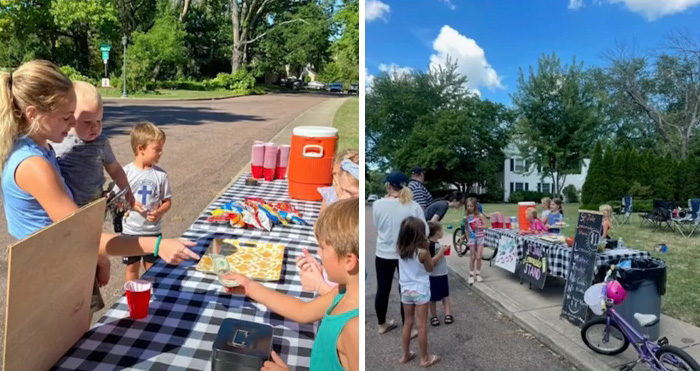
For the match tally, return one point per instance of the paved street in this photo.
(207, 143)
(480, 338)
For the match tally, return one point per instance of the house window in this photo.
(519, 165)
(519, 186)
(545, 187)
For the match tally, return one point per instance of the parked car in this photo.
(293, 83)
(336, 86)
(353, 89)
(372, 198)
(316, 85)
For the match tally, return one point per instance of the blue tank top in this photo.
(23, 212)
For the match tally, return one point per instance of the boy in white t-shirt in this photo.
(151, 189)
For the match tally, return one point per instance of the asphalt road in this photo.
(207, 143)
(480, 337)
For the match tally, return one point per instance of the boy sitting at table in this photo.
(337, 342)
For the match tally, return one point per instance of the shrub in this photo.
(524, 196)
(75, 75)
(570, 193)
(239, 80)
(642, 206)
(638, 190)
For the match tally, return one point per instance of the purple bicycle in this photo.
(611, 334)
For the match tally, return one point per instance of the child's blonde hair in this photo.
(607, 211)
(87, 93)
(546, 202)
(531, 213)
(474, 202)
(37, 83)
(347, 154)
(144, 133)
(339, 226)
(354, 156)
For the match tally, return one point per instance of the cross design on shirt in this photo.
(144, 192)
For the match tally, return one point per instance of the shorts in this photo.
(439, 288)
(414, 297)
(135, 259)
(96, 303)
(478, 241)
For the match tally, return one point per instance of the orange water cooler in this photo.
(523, 223)
(311, 161)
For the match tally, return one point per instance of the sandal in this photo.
(411, 356)
(388, 326)
(431, 361)
(449, 319)
(434, 321)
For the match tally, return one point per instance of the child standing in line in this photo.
(337, 344)
(535, 223)
(439, 286)
(415, 265)
(152, 190)
(477, 239)
(607, 220)
(556, 216)
(546, 206)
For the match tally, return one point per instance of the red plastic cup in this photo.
(507, 225)
(138, 297)
(257, 171)
(269, 174)
(448, 252)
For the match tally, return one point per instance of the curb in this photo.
(552, 340)
(128, 99)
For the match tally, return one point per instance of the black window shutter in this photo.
(512, 186)
(539, 187)
(512, 165)
(526, 186)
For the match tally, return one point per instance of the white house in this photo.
(518, 175)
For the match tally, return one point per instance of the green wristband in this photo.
(155, 251)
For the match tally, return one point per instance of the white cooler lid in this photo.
(315, 131)
(527, 203)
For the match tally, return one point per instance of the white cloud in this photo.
(369, 80)
(375, 9)
(450, 4)
(575, 4)
(653, 9)
(395, 70)
(469, 56)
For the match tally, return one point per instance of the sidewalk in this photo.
(537, 311)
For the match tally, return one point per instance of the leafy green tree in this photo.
(606, 182)
(347, 47)
(558, 117)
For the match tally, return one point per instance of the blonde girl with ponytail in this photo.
(389, 212)
(36, 106)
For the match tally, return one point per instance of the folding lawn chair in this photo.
(694, 211)
(662, 217)
(623, 217)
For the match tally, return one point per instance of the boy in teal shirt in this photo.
(337, 342)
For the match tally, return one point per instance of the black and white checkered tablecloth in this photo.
(559, 255)
(189, 306)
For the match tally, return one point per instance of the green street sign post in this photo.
(105, 48)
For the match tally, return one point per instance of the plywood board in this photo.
(49, 287)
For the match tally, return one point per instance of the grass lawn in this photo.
(172, 94)
(682, 298)
(347, 121)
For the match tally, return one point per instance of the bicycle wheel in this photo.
(673, 358)
(458, 242)
(489, 252)
(593, 332)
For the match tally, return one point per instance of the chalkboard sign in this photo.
(581, 266)
(534, 268)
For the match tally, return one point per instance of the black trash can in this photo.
(644, 282)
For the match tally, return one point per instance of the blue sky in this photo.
(491, 39)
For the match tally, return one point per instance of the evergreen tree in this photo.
(607, 185)
(590, 190)
(664, 176)
(633, 169)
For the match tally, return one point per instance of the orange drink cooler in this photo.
(523, 223)
(311, 161)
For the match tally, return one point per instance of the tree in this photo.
(250, 22)
(666, 89)
(607, 184)
(396, 103)
(557, 117)
(591, 191)
(620, 182)
(462, 146)
(347, 47)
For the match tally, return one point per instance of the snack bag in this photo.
(272, 214)
(286, 206)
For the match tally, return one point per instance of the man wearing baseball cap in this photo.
(420, 194)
